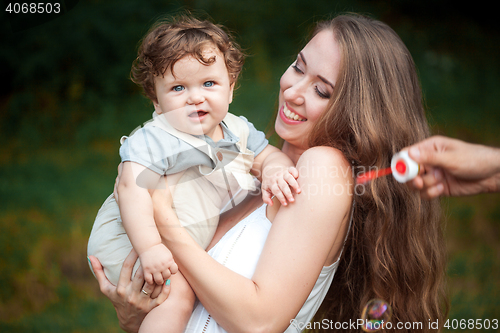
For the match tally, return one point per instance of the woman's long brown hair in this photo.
(394, 250)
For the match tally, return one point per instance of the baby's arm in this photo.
(136, 210)
(278, 175)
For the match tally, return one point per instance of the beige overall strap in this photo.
(239, 128)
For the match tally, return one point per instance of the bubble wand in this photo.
(403, 168)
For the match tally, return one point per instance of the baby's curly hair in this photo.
(170, 40)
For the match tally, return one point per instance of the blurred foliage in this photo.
(67, 99)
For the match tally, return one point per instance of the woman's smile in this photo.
(289, 116)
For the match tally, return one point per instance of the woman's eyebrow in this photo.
(326, 81)
(302, 57)
(319, 76)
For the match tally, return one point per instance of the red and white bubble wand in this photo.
(403, 168)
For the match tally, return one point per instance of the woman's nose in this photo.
(295, 93)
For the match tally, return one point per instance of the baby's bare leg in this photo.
(172, 315)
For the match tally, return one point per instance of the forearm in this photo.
(483, 159)
(495, 183)
(136, 211)
(270, 157)
(495, 162)
(277, 159)
(488, 167)
(235, 302)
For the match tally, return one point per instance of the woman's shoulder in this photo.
(326, 152)
(325, 159)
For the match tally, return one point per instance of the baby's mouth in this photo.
(291, 115)
(197, 114)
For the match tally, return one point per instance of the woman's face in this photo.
(306, 87)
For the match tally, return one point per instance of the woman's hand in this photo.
(132, 299)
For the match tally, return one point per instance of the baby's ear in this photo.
(231, 87)
(157, 107)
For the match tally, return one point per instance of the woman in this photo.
(350, 101)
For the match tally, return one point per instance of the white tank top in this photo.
(239, 250)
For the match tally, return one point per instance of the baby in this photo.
(188, 68)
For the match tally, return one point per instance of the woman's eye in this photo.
(178, 88)
(322, 94)
(297, 69)
(209, 84)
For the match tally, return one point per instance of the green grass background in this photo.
(67, 99)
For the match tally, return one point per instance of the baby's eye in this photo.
(178, 88)
(209, 84)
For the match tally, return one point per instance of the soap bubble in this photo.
(375, 314)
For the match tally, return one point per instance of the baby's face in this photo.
(197, 97)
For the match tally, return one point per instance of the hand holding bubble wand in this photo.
(403, 168)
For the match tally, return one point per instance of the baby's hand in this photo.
(158, 264)
(279, 181)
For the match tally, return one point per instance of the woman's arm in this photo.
(304, 237)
